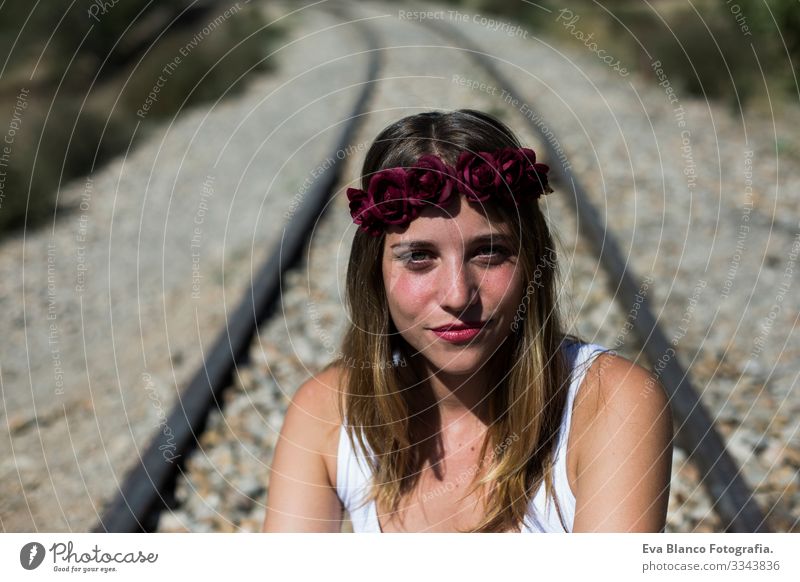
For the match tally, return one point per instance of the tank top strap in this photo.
(580, 357)
(353, 479)
(543, 516)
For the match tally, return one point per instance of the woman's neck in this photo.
(461, 399)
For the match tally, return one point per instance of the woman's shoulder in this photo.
(303, 472)
(623, 432)
(611, 375)
(617, 393)
(313, 417)
(319, 397)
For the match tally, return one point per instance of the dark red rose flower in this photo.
(512, 166)
(536, 180)
(430, 181)
(528, 154)
(387, 193)
(477, 176)
(358, 203)
(361, 210)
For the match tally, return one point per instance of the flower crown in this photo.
(398, 195)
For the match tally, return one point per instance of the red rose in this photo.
(512, 166)
(528, 154)
(387, 194)
(536, 180)
(430, 181)
(362, 211)
(358, 201)
(477, 175)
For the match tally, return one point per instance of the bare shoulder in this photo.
(624, 433)
(319, 395)
(315, 406)
(614, 385)
(301, 492)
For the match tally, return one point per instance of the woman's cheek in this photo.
(502, 288)
(494, 285)
(408, 294)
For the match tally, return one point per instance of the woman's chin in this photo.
(457, 363)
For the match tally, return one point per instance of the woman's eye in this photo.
(492, 252)
(416, 257)
(487, 250)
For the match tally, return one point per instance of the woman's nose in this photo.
(459, 288)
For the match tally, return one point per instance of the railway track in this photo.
(149, 489)
(695, 431)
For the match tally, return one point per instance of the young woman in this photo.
(458, 402)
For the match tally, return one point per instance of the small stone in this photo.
(171, 522)
(785, 479)
(773, 454)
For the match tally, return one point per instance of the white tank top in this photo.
(353, 474)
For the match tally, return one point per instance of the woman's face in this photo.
(457, 269)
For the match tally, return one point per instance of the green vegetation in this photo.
(704, 46)
(78, 80)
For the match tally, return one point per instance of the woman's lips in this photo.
(459, 333)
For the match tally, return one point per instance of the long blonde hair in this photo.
(526, 404)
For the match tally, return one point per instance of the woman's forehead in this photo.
(462, 222)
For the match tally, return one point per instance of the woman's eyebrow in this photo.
(414, 244)
(491, 237)
(480, 239)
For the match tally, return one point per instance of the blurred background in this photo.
(153, 152)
